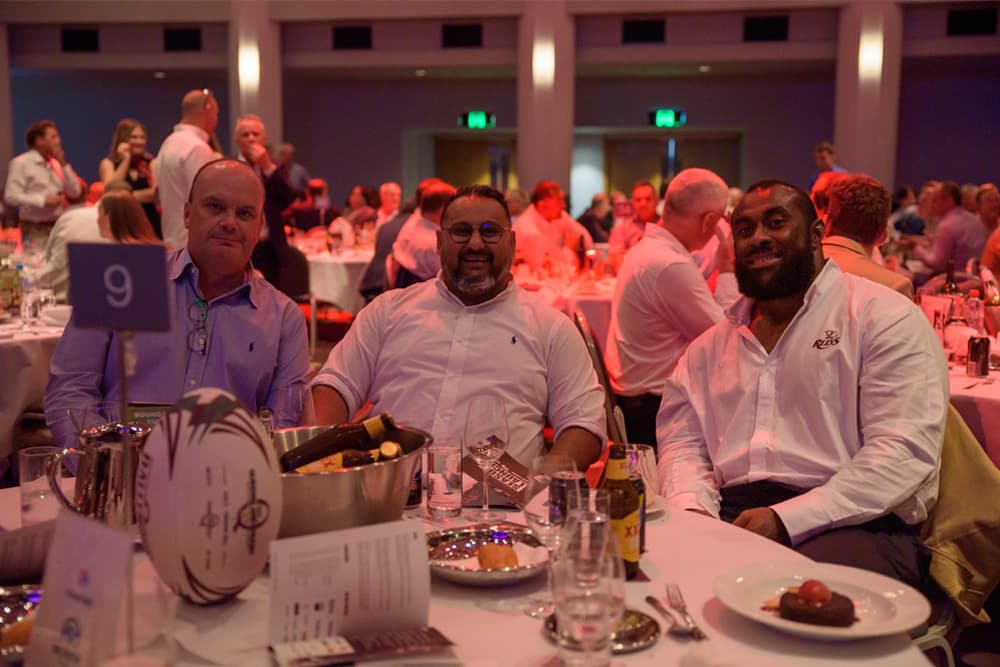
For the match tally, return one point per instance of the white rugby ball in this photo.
(208, 496)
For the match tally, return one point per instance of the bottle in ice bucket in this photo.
(364, 436)
(624, 508)
(950, 286)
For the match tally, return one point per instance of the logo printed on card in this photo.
(70, 630)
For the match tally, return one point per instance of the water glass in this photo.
(293, 406)
(38, 502)
(486, 436)
(444, 479)
(30, 308)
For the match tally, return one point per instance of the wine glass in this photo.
(293, 406)
(486, 435)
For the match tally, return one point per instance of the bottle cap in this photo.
(973, 292)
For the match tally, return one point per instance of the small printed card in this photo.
(356, 581)
(349, 649)
(506, 476)
(84, 581)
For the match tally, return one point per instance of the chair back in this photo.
(615, 433)
(293, 275)
(962, 531)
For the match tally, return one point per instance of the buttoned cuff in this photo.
(804, 516)
(349, 397)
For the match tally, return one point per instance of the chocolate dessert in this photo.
(814, 603)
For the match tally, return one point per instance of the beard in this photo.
(477, 285)
(792, 276)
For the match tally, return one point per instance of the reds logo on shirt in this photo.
(832, 338)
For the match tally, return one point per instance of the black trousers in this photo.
(885, 545)
(640, 417)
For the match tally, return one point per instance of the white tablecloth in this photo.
(24, 372)
(593, 299)
(336, 278)
(979, 405)
(683, 547)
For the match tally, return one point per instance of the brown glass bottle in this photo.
(950, 286)
(364, 436)
(624, 508)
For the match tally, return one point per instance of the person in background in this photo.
(970, 193)
(989, 212)
(598, 219)
(629, 232)
(423, 352)
(855, 224)
(228, 327)
(389, 194)
(798, 417)
(517, 201)
(127, 160)
(825, 156)
(359, 197)
(298, 176)
(415, 251)
(548, 236)
(959, 236)
(181, 155)
(37, 181)
(905, 218)
(314, 210)
(121, 219)
(926, 208)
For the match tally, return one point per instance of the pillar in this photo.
(255, 67)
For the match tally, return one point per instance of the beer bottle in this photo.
(950, 286)
(364, 436)
(624, 508)
(640, 486)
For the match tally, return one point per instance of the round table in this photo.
(592, 299)
(683, 547)
(24, 367)
(978, 401)
(337, 278)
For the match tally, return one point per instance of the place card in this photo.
(355, 581)
(350, 649)
(83, 585)
(119, 286)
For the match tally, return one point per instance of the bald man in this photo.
(662, 301)
(229, 328)
(181, 155)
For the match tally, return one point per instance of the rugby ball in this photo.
(208, 496)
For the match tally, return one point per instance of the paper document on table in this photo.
(353, 581)
(22, 553)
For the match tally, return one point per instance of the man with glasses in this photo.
(229, 328)
(423, 352)
(181, 155)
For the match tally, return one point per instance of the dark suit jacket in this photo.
(270, 255)
(373, 282)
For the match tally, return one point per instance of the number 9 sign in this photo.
(122, 287)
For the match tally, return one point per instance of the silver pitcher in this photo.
(100, 477)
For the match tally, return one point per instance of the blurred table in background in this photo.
(336, 278)
(978, 401)
(24, 369)
(592, 298)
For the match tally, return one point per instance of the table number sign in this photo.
(83, 584)
(118, 286)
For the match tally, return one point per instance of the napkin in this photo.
(57, 316)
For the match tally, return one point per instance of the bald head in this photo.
(695, 200)
(229, 172)
(200, 108)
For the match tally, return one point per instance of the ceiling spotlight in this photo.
(421, 72)
(704, 68)
(159, 75)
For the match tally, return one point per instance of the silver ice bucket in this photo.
(350, 497)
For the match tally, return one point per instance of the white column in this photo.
(869, 61)
(255, 67)
(546, 70)
(6, 108)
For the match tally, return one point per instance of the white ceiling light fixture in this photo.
(870, 54)
(248, 63)
(543, 62)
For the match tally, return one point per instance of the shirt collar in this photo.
(193, 129)
(448, 295)
(654, 230)
(846, 244)
(739, 313)
(180, 264)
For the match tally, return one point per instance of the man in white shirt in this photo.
(814, 415)
(629, 232)
(549, 237)
(389, 194)
(425, 351)
(37, 181)
(415, 251)
(181, 155)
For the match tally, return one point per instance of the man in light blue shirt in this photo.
(229, 327)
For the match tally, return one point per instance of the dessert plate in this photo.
(882, 606)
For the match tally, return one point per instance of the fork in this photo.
(676, 602)
(675, 628)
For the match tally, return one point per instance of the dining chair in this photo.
(615, 431)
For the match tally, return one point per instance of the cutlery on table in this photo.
(676, 602)
(674, 628)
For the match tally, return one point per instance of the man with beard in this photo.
(422, 353)
(814, 415)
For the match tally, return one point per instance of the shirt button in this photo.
(192, 383)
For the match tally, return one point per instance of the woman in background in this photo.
(121, 219)
(128, 161)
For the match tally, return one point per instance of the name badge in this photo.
(117, 286)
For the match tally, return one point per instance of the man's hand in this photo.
(60, 155)
(763, 521)
(53, 200)
(725, 260)
(258, 155)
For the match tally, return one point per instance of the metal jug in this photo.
(100, 478)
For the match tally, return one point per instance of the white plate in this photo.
(882, 605)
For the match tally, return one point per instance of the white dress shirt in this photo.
(415, 248)
(539, 239)
(77, 225)
(30, 178)
(850, 404)
(181, 155)
(421, 354)
(661, 304)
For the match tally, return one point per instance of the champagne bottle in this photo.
(950, 286)
(364, 436)
(624, 508)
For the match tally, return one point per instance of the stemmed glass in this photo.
(293, 406)
(486, 436)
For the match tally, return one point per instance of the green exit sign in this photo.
(477, 120)
(667, 117)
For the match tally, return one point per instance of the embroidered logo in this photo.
(832, 338)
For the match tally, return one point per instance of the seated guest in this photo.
(298, 176)
(229, 328)
(423, 352)
(629, 232)
(314, 211)
(517, 201)
(856, 222)
(662, 301)
(814, 416)
(389, 194)
(959, 235)
(415, 251)
(547, 236)
(598, 219)
(905, 219)
(121, 219)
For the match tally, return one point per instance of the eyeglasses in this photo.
(198, 337)
(461, 232)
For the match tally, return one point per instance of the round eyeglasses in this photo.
(461, 232)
